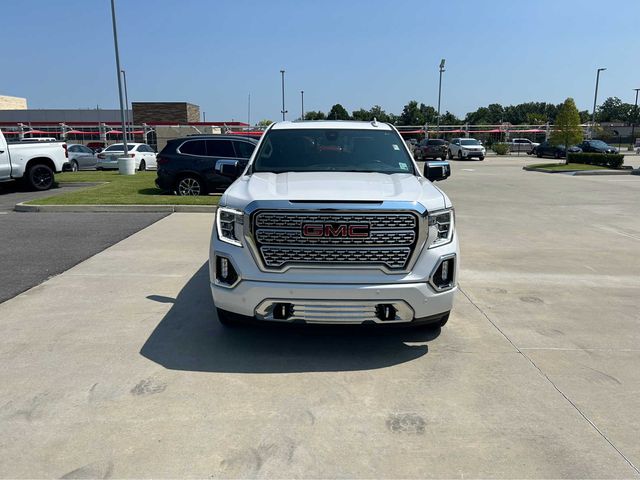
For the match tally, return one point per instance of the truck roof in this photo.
(332, 124)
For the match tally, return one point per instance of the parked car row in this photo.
(460, 148)
(547, 149)
(84, 158)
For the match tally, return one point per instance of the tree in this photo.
(411, 114)
(614, 110)
(265, 123)
(312, 115)
(566, 129)
(448, 118)
(338, 112)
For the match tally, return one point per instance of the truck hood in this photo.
(334, 186)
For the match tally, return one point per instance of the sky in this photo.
(355, 52)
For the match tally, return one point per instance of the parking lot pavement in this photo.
(534, 376)
(12, 193)
(36, 246)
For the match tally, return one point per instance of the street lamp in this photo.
(115, 46)
(595, 99)
(126, 98)
(302, 107)
(283, 110)
(440, 91)
(635, 118)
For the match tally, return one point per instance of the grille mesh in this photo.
(391, 241)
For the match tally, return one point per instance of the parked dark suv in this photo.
(431, 148)
(203, 164)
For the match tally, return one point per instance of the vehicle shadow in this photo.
(189, 337)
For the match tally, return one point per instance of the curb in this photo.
(580, 172)
(22, 207)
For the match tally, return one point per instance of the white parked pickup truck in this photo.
(522, 145)
(332, 222)
(33, 162)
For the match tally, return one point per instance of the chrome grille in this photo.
(279, 240)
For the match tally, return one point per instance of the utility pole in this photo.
(595, 99)
(440, 91)
(204, 116)
(249, 111)
(302, 107)
(283, 110)
(115, 46)
(126, 99)
(634, 119)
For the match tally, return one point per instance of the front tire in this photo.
(74, 166)
(481, 158)
(40, 177)
(459, 154)
(190, 186)
(143, 166)
(450, 154)
(443, 321)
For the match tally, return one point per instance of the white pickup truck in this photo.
(32, 162)
(332, 222)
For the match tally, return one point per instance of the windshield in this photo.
(340, 150)
(469, 141)
(118, 147)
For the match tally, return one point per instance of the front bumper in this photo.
(354, 303)
(472, 153)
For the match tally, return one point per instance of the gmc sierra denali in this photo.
(332, 222)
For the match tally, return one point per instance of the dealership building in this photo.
(147, 122)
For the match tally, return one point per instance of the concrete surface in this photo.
(535, 376)
(36, 246)
(23, 207)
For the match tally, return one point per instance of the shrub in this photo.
(500, 148)
(611, 160)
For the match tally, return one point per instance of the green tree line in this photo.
(532, 113)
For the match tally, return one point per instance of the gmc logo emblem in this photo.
(335, 230)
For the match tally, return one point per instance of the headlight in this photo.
(229, 225)
(440, 228)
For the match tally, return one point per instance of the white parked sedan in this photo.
(143, 154)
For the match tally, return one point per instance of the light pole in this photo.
(302, 102)
(115, 46)
(440, 91)
(126, 99)
(595, 99)
(249, 111)
(283, 110)
(634, 119)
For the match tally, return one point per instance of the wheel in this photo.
(539, 154)
(74, 166)
(557, 155)
(143, 166)
(450, 155)
(443, 321)
(417, 155)
(481, 158)
(40, 177)
(190, 186)
(227, 318)
(459, 154)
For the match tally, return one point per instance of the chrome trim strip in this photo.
(336, 312)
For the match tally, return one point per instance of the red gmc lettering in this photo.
(312, 230)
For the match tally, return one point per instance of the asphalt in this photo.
(37, 246)
(534, 376)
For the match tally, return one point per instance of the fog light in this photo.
(224, 268)
(225, 273)
(445, 271)
(443, 276)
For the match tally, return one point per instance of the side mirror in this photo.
(436, 171)
(228, 168)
